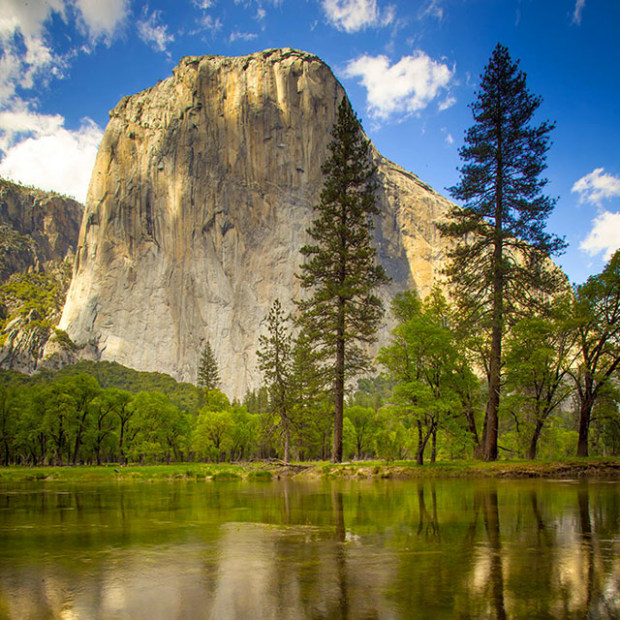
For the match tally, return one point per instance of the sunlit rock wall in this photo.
(198, 204)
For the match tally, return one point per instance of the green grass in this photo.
(603, 467)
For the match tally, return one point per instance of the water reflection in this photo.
(441, 549)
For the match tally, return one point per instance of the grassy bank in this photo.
(575, 468)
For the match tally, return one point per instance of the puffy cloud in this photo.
(27, 56)
(102, 19)
(597, 186)
(51, 157)
(27, 17)
(154, 33)
(22, 27)
(355, 15)
(604, 236)
(405, 87)
(579, 6)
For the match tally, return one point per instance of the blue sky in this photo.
(410, 67)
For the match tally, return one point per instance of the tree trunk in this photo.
(534, 440)
(339, 390)
(491, 417)
(78, 438)
(471, 427)
(287, 438)
(585, 415)
(422, 441)
(434, 444)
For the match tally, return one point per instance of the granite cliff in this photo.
(198, 204)
(38, 236)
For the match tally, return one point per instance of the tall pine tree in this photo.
(208, 372)
(343, 311)
(499, 262)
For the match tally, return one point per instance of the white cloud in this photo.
(203, 4)
(597, 186)
(26, 56)
(208, 22)
(102, 19)
(405, 87)
(154, 33)
(433, 9)
(448, 136)
(244, 36)
(579, 6)
(52, 157)
(27, 17)
(448, 102)
(604, 236)
(355, 15)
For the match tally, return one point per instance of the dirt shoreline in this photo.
(603, 469)
(607, 469)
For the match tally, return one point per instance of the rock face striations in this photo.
(38, 236)
(198, 204)
(36, 227)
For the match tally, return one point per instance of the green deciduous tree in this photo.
(212, 436)
(539, 353)
(157, 430)
(343, 311)
(208, 371)
(363, 420)
(81, 389)
(597, 314)
(428, 368)
(500, 261)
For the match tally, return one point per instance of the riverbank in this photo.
(608, 468)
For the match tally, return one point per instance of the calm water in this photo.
(367, 550)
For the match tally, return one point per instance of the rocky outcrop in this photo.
(198, 204)
(36, 227)
(38, 236)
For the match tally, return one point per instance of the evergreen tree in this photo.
(208, 372)
(500, 261)
(275, 360)
(340, 268)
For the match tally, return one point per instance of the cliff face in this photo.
(198, 204)
(38, 236)
(36, 227)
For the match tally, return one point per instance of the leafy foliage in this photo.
(597, 314)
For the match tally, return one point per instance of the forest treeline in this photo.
(424, 401)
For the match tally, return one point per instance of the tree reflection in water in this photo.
(385, 549)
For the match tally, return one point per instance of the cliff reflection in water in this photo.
(284, 550)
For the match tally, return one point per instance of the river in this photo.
(288, 550)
